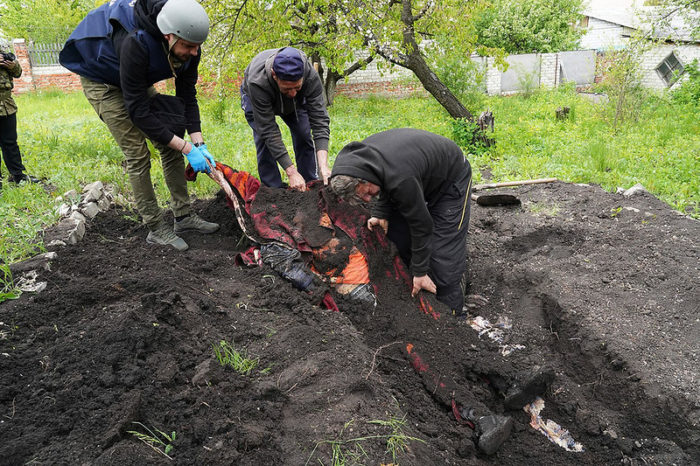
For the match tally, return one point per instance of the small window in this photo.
(670, 69)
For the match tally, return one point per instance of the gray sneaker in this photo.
(193, 222)
(164, 235)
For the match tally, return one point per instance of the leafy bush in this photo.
(689, 91)
(466, 134)
(465, 78)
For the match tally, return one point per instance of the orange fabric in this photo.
(357, 270)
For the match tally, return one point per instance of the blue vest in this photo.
(89, 50)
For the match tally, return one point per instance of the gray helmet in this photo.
(184, 18)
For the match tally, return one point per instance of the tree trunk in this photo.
(436, 88)
(415, 61)
(329, 85)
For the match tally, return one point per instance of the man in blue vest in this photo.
(284, 82)
(120, 50)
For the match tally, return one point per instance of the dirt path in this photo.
(602, 288)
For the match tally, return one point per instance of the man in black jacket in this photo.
(120, 50)
(421, 184)
(283, 82)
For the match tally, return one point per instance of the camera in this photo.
(8, 56)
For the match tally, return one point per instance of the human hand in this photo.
(197, 160)
(381, 222)
(296, 181)
(324, 173)
(423, 283)
(322, 163)
(207, 154)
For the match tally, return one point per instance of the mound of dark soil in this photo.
(600, 287)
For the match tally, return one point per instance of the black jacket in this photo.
(413, 168)
(133, 64)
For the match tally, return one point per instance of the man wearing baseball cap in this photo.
(283, 82)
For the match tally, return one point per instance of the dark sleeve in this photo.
(318, 115)
(266, 125)
(381, 207)
(186, 87)
(410, 201)
(133, 76)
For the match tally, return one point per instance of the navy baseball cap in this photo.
(288, 65)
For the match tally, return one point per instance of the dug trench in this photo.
(601, 288)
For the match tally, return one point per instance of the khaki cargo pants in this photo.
(108, 102)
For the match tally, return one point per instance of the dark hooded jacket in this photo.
(120, 44)
(133, 58)
(413, 168)
(267, 101)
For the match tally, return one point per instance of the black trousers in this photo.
(304, 149)
(8, 143)
(448, 260)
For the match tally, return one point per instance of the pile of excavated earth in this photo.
(582, 332)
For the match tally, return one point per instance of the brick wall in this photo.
(652, 59)
(382, 88)
(41, 77)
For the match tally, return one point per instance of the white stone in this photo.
(103, 203)
(636, 189)
(98, 185)
(90, 210)
(77, 216)
(92, 195)
(72, 196)
(56, 242)
(63, 210)
(77, 234)
(633, 209)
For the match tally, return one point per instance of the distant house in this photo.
(610, 28)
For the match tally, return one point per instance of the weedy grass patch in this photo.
(346, 451)
(227, 355)
(8, 290)
(158, 440)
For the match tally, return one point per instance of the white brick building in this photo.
(610, 24)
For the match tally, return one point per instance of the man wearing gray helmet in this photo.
(120, 50)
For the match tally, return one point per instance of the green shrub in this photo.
(689, 91)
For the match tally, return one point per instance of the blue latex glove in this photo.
(207, 154)
(197, 160)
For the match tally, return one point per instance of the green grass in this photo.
(227, 355)
(661, 149)
(64, 141)
(159, 441)
(350, 451)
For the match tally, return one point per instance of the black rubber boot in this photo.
(492, 432)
